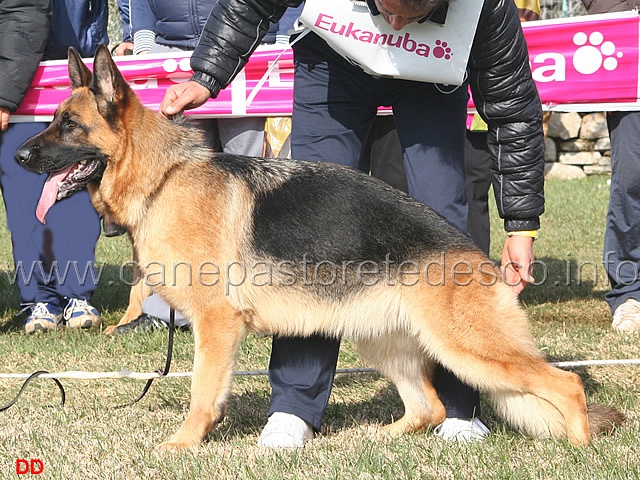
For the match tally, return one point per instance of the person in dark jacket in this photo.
(55, 270)
(24, 29)
(335, 103)
(622, 233)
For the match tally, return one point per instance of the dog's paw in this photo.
(173, 446)
(109, 330)
(179, 442)
(375, 432)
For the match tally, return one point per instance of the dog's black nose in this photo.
(23, 155)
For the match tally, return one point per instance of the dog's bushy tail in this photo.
(481, 333)
(535, 397)
(539, 418)
(529, 414)
(604, 419)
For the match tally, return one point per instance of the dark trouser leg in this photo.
(384, 153)
(301, 373)
(433, 136)
(328, 124)
(622, 235)
(20, 189)
(477, 167)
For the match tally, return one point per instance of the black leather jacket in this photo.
(499, 75)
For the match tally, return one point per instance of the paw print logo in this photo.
(442, 50)
(176, 69)
(593, 53)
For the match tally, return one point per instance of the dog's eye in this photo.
(70, 124)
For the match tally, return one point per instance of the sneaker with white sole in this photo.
(284, 430)
(462, 430)
(81, 314)
(42, 317)
(626, 318)
(146, 323)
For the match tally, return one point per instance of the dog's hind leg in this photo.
(403, 362)
(481, 334)
(544, 402)
(216, 340)
(139, 290)
(137, 294)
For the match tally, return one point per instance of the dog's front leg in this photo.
(216, 338)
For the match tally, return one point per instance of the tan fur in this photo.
(467, 320)
(139, 288)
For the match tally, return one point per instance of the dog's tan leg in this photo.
(423, 408)
(137, 294)
(216, 342)
(550, 402)
(403, 361)
(474, 326)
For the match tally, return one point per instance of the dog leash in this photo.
(167, 365)
(303, 33)
(24, 386)
(162, 373)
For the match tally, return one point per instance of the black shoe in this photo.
(144, 323)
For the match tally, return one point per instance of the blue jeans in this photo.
(54, 260)
(335, 104)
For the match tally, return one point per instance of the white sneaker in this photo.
(626, 318)
(81, 314)
(284, 430)
(43, 316)
(462, 430)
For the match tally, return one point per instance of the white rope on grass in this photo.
(79, 375)
(593, 363)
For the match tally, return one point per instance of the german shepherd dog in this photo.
(298, 248)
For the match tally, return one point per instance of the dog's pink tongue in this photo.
(50, 193)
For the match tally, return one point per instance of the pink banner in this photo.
(151, 75)
(579, 64)
(586, 62)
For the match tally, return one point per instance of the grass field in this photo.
(90, 439)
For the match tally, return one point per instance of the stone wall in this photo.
(577, 145)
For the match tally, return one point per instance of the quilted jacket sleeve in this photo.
(24, 29)
(507, 99)
(232, 32)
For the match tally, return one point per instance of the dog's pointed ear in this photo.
(108, 84)
(79, 74)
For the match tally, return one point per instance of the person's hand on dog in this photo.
(4, 118)
(183, 96)
(517, 262)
